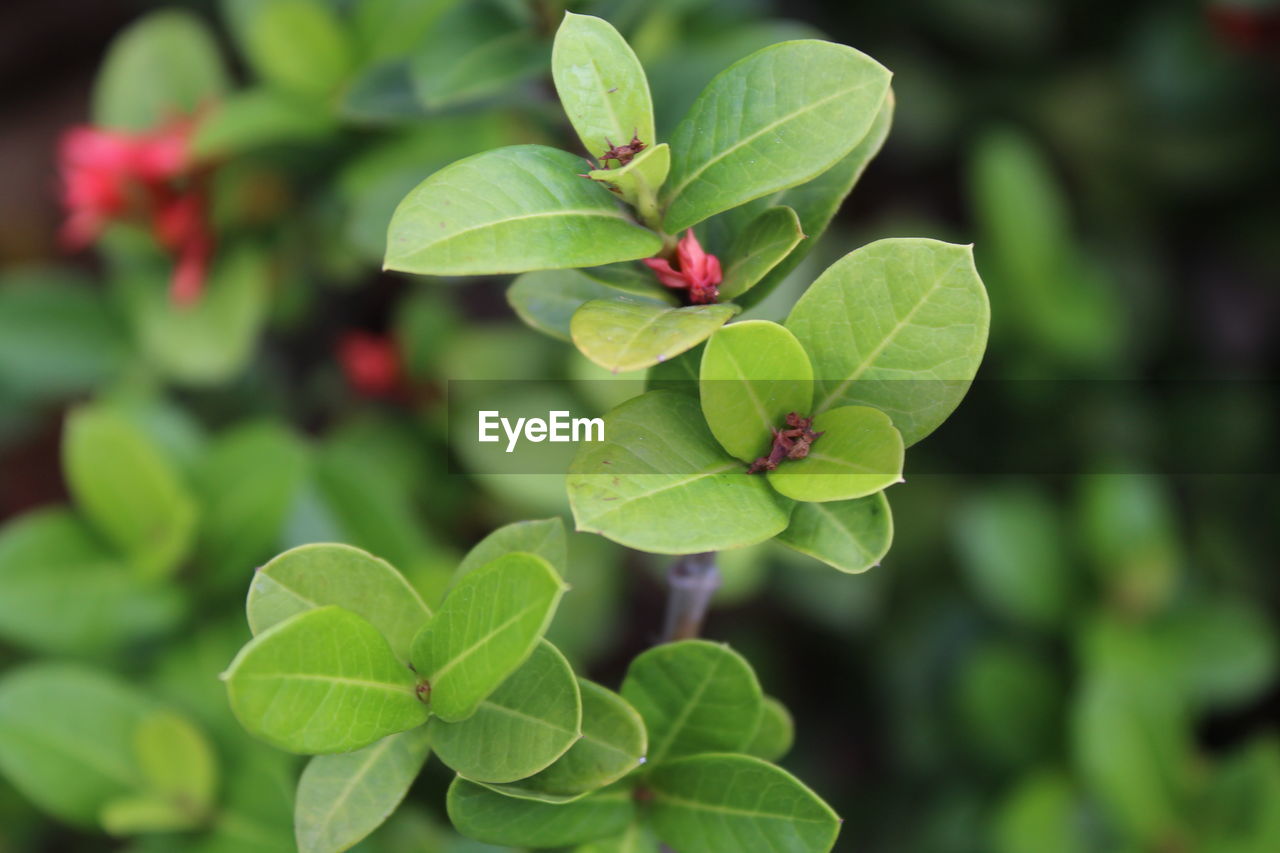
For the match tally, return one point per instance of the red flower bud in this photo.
(697, 272)
(371, 364)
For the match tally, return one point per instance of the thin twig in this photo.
(691, 582)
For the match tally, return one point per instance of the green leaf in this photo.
(900, 325)
(295, 44)
(775, 734)
(164, 66)
(311, 576)
(531, 720)
(128, 489)
(753, 374)
(859, 454)
(601, 84)
(66, 593)
(613, 743)
(851, 536)
(624, 334)
(342, 798)
(179, 775)
(489, 624)
(544, 537)
(695, 696)
(145, 813)
(775, 119)
(322, 681)
(548, 300)
(658, 466)
(257, 118)
(1040, 813)
(636, 838)
(758, 248)
(472, 54)
(710, 803)
(677, 374)
(638, 182)
(66, 738)
(391, 28)
(485, 815)
(512, 210)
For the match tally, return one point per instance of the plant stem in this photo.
(691, 582)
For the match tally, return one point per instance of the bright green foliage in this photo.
(601, 84)
(323, 680)
(709, 803)
(485, 815)
(775, 734)
(258, 118)
(859, 454)
(297, 45)
(531, 720)
(549, 218)
(128, 489)
(759, 248)
(488, 625)
(636, 838)
(695, 697)
(544, 537)
(625, 334)
(311, 576)
(638, 182)
(342, 798)
(179, 779)
(851, 536)
(547, 300)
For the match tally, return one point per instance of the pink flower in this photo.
(697, 272)
(371, 364)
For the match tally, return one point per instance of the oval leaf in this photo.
(625, 334)
(312, 576)
(487, 627)
(753, 374)
(512, 210)
(809, 104)
(658, 465)
(177, 763)
(322, 681)
(544, 537)
(858, 454)
(547, 300)
(485, 815)
(899, 324)
(522, 727)
(758, 248)
(775, 734)
(852, 536)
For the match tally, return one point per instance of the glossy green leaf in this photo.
(775, 734)
(810, 102)
(695, 696)
(658, 467)
(601, 84)
(531, 720)
(164, 66)
(852, 536)
(311, 576)
(128, 489)
(489, 624)
(753, 374)
(295, 44)
(322, 681)
(485, 815)
(342, 798)
(65, 592)
(544, 537)
(547, 300)
(900, 325)
(66, 738)
(613, 743)
(626, 334)
(512, 210)
(859, 454)
(759, 247)
(710, 803)
(639, 181)
(474, 53)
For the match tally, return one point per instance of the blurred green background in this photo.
(1078, 655)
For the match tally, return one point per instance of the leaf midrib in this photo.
(695, 805)
(601, 213)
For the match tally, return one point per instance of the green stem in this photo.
(691, 582)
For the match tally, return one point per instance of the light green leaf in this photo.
(164, 66)
(312, 576)
(342, 798)
(753, 374)
(544, 537)
(531, 720)
(258, 118)
(66, 738)
(775, 734)
(128, 489)
(391, 28)
(485, 815)
(322, 681)
(639, 181)
(759, 247)
(145, 813)
(852, 536)
(658, 467)
(900, 325)
(636, 838)
(177, 764)
(547, 300)
(512, 210)
(613, 743)
(773, 120)
(473, 54)
(601, 84)
(858, 454)
(632, 279)
(710, 803)
(489, 624)
(626, 334)
(1040, 813)
(695, 696)
(678, 374)
(295, 44)
(66, 593)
